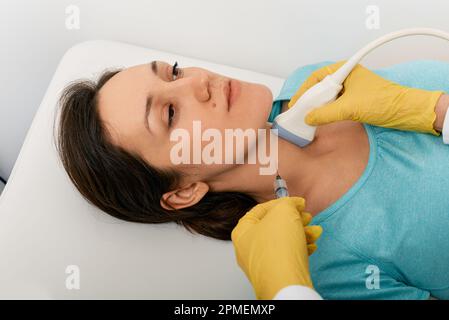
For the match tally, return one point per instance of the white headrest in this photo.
(46, 227)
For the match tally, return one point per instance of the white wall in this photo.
(269, 36)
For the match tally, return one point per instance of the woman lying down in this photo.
(380, 194)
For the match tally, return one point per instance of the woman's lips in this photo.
(227, 92)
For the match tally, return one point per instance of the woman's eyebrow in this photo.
(154, 67)
(149, 100)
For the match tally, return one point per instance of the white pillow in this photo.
(46, 226)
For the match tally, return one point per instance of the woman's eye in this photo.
(175, 70)
(171, 109)
(171, 113)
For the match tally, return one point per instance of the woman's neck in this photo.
(299, 167)
(302, 167)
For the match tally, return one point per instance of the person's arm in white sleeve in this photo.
(297, 292)
(441, 123)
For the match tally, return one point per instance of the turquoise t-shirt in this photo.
(388, 236)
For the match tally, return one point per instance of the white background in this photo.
(268, 36)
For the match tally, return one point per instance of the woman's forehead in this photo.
(125, 85)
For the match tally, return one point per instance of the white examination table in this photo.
(46, 225)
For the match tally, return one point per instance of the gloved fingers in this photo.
(296, 203)
(287, 208)
(299, 202)
(314, 78)
(313, 233)
(311, 248)
(331, 112)
(320, 74)
(323, 72)
(306, 218)
(310, 82)
(332, 68)
(258, 212)
(250, 219)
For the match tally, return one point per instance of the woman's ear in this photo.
(184, 197)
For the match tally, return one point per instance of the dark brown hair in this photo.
(120, 182)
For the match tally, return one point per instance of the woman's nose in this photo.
(198, 83)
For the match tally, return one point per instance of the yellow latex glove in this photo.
(272, 243)
(367, 97)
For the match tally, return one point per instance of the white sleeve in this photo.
(297, 292)
(446, 128)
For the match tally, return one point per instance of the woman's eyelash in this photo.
(171, 112)
(171, 109)
(175, 70)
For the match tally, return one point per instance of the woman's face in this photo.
(194, 94)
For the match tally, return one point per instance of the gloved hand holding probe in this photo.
(367, 97)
